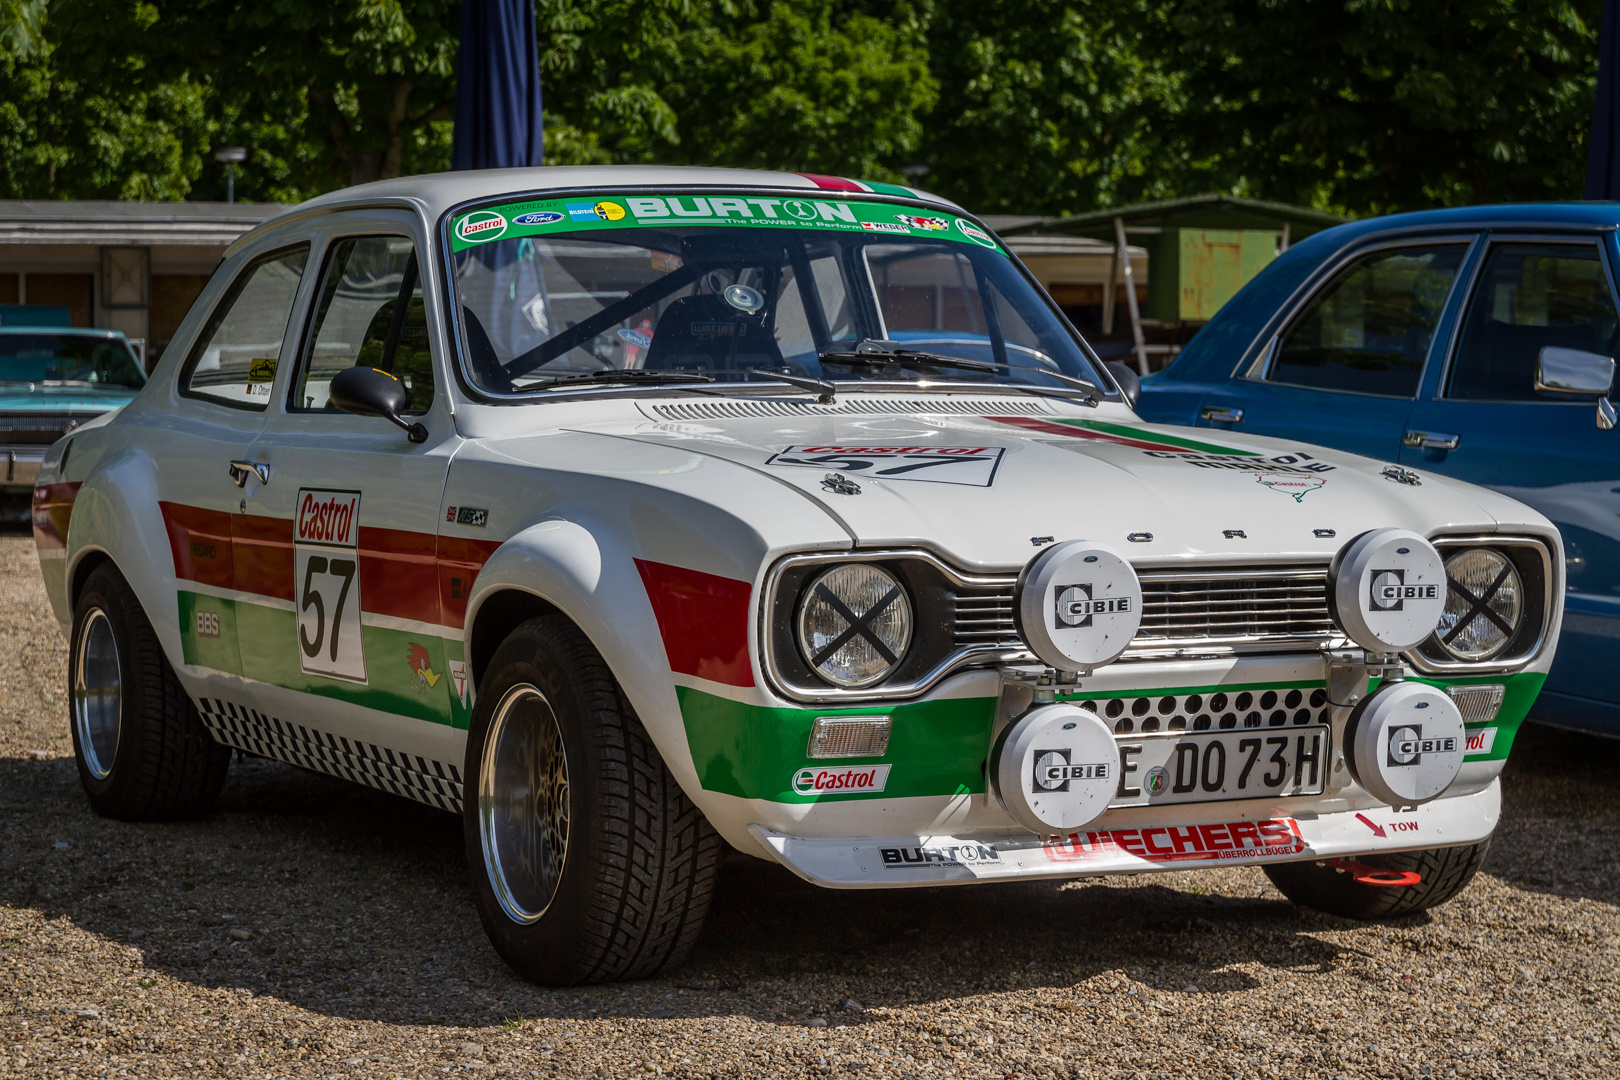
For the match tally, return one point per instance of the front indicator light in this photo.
(854, 624)
(1478, 704)
(1484, 605)
(848, 736)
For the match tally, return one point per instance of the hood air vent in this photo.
(733, 409)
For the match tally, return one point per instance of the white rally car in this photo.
(630, 512)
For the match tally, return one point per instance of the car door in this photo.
(200, 450)
(355, 647)
(1486, 422)
(1347, 364)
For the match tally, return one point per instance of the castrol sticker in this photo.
(326, 585)
(970, 466)
(841, 780)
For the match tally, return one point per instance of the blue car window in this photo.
(1529, 297)
(1368, 331)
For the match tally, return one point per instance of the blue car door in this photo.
(1483, 420)
(1346, 364)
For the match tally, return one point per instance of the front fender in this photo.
(592, 580)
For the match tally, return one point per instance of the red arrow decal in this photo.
(1379, 829)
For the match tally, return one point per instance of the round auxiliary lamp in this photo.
(1404, 743)
(1077, 605)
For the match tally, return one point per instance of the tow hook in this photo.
(1376, 875)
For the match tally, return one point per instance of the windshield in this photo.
(557, 292)
(69, 358)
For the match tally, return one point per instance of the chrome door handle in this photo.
(241, 470)
(1222, 416)
(1431, 440)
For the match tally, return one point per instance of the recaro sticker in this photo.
(546, 217)
(326, 569)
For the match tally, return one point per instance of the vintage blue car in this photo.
(52, 379)
(1475, 343)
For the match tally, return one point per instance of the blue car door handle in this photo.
(1215, 415)
(1431, 440)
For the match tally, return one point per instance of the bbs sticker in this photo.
(972, 466)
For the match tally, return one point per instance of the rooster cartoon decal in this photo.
(417, 659)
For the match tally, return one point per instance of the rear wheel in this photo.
(1445, 872)
(143, 751)
(589, 862)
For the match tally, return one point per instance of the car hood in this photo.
(28, 398)
(985, 486)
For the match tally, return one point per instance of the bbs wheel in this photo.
(142, 749)
(1445, 872)
(589, 862)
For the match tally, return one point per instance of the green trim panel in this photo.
(751, 751)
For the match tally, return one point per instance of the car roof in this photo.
(1553, 215)
(77, 331)
(435, 193)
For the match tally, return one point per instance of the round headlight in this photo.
(1484, 603)
(854, 624)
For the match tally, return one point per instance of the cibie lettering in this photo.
(1391, 593)
(327, 517)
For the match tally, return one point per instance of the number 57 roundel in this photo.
(326, 566)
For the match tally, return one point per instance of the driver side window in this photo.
(1368, 331)
(370, 313)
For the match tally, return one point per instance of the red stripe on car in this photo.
(703, 620)
(52, 510)
(200, 541)
(833, 183)
(459, 561)
(1046, 427)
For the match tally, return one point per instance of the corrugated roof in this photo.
(1154, 213)
(27, 221)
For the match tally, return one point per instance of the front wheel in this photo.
(1445, 872)
(589, 863)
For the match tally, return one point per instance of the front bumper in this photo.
(1206, 835)
(19, 464)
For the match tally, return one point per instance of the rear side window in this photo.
(235, 359)
(1368, 331)
(1531, 297)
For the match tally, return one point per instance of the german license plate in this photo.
(1252, 763)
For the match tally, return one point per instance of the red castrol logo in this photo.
(327, 517)
(841, 780)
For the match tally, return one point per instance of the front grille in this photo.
(37, 430)
(1211, 609)
(1222, 710)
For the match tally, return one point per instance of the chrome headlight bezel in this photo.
(934, 588)
(1532, 561)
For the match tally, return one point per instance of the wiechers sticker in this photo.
(841, 780)
(1182, 843)
(970, 466)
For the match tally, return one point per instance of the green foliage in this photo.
(1042, 106)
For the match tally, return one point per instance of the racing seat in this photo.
(704, 332)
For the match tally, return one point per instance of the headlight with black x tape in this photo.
(854, 624)
(1484, 604)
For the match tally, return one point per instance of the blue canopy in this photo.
(498, 120)
(1603, 148)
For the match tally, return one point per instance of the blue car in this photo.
(1476, 343)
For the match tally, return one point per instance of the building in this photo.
(1199, 252)
(134, 267)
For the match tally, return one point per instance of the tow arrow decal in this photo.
(1379, 829)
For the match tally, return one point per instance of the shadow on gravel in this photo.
(356, 904)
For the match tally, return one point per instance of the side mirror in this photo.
(366, 391)
(1130, 384)
(1574, 371)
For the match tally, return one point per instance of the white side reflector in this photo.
(849, 736)
(1478, 704)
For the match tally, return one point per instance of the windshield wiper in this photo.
(823, 389)
(634, 376)
(871, 354)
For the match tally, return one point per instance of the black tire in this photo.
(1445, 872)
(161, 764)
(639, 859)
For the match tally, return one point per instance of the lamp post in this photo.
(229, 156)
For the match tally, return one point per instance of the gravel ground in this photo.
(313, 929)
